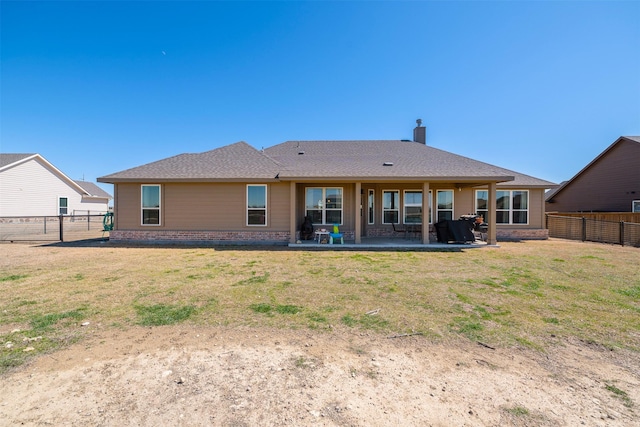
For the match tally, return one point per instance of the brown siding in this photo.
(464, 202)
(127, 206)
(608, 185)
(203, 206)
(279, 206)
(221, 207)
(536, 208)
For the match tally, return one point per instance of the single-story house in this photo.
(31, 186)
(609, 183)
(237, 193)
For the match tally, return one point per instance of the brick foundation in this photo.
(200, 237)
(501, 234)
(276, 237)
(522, 234)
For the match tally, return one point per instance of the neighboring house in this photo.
(239, 194)
(610, 183)
(31, 186)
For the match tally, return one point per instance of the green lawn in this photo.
(532, 294)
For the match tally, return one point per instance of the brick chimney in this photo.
(420, 133)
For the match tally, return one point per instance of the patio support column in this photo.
(491, 202)
(425, 213)
(358, 213)
(292, 212)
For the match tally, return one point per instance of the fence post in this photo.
(88, 219)
(584, 229)
(61, 217)
(622, 233)
(45, 225)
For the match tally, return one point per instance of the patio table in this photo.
(320, 233)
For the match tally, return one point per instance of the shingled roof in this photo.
(238, 161)
(7, 159)
(390, 160)
(92, 189)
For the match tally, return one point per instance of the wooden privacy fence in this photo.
(51, 228)
(594, 230)
(603, 216)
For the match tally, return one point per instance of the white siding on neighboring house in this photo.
(34, 188)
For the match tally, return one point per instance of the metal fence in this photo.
(594, 230)
(51, 228)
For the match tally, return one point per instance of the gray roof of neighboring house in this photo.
(90, 188)
(10, 158)
(326, 160)
(93, 189)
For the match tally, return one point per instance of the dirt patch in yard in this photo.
(187, 375)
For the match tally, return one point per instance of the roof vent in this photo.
(300, 153)
(387, 164)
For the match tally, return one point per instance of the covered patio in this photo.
(362, 217)
(392, 244)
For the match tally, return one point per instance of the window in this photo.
(371, 208)
(512, 206)
(390, 206)
(520, 207)
(63, 206)
(150, 205)
(412, 207)
(444, 205)
(635, 206)
(482, 204)
(324, 205)
(256, 205)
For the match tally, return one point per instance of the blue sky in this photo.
(539, 87)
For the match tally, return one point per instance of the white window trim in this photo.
(635, 206)
(59, 207)
(511, 210)
(398, 208)
(453, 203)
(405, 205)
(371, 207)
(159, 208)
(324, 204)
(266, 204)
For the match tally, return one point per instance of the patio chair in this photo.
(336, 235)
(398, 229)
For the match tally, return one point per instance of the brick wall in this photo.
(522, 234)
(502, 234)
(210, 237)
(276, 237)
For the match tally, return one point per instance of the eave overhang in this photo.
(150, 180)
